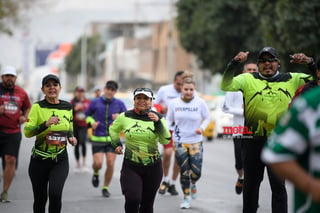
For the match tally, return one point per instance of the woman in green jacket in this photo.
(141, 171)
(51, 121)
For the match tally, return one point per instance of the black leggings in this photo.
(81, 134)
(44, 172)
(237, 152)
(253, 176)
(139, 186)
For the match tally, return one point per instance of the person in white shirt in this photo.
(190, 115)
(165, 94)
(233, 104)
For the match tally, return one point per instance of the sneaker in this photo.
(85, 169)
(95, 180)
(163, 188)
(193, 191)
(77, 170)
(172, 190)
(105, 192)
(4, 197)
(239, 186)
(185, 203)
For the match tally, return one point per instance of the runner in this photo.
(141, 171)
(190, 115)
(293, 151)
(14, 108)
(101, 113)
(267, 94)
(50, 120)
(164, 96)
(79, 105)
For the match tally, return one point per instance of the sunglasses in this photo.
(264, 60)
(142, 90)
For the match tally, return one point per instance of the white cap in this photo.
(9, 70)
(145, 91)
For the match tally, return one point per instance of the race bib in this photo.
(80, 116)
(56, 138)
(10, 107)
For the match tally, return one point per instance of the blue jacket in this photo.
(97, 112)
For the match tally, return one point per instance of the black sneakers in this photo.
(95, 180)
(105, 192)
(239, 186)
(172, 190)
(165, 186)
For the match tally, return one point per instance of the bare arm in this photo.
(303, 181)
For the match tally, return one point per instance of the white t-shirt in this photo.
(233, 104)
(187, 117)
(165, 94)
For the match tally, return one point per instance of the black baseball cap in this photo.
(269, 50)
(112, 84)
(50, 77)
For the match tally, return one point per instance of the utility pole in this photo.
(171, 53)
(83, 77)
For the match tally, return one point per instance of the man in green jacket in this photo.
(267, 94)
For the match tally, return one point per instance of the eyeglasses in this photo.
(264, 60)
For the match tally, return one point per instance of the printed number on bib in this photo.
(10, 107)
(57, 138)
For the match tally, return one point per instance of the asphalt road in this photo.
(215, 188)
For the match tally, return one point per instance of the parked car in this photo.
(220, 119)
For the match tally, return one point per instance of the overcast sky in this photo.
(59, 21)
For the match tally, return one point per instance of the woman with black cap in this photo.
(141, 172)
(51, 121)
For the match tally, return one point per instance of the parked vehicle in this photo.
(220, 119)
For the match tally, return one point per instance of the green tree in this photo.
(215, 30)
(290, 26)
(73, 60)
(14, 12)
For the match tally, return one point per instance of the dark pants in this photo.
(237, 152)
(253, 176)
(48, 172)
(81, 134)
(139, 186)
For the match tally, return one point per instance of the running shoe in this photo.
(163, 188)
(77, 170)
(193, 191)
(95, 180)
(239, 186)
(172, 190)
(105, 192)
(85, 169)
(185, 203)
(4, 197)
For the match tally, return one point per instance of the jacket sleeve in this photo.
(205, 115)
(228, 75)
(33, 126)
(114, 130)
(231, 104)
(162, 131)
